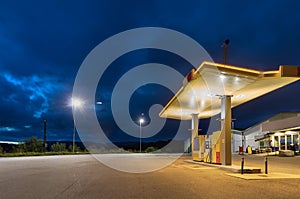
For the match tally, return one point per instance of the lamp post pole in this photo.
(74, 133)
(76, 103)
(45, 135)
(141, 121)
(140, 137)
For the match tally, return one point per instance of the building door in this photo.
(282, 142)
(289, 142)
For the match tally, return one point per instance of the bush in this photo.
(150, 149)
(58, 147)
(32, 145)
(1, 149)
(76, 148)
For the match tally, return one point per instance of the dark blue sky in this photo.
(42, 45)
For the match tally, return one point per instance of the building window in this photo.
(282, 142)
(289, 142)
(295, 139)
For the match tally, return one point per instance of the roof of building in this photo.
(278, 122)
(283, 115)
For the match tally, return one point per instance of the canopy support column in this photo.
(195, 145)
(226, 158)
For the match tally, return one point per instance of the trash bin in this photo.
(241, 150)
(296, 147)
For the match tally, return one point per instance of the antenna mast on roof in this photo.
(225, 51)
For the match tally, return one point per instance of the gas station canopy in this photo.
(203, 87)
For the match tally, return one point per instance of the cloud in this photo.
(37, 91)
(8, 129)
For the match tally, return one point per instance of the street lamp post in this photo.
(74, 134)
(76, 103)
(141, 121)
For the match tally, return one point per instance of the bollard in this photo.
(242, 166)
(266, 165)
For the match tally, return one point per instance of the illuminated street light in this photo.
(76, 103)
(141, 121)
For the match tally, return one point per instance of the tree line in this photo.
(34, 145)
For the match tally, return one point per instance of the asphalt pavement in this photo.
(83, 176)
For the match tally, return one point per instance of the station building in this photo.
(280, 132)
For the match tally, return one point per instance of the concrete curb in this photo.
(232, 168)
(270, 176)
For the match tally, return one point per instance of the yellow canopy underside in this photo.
(202, 89)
